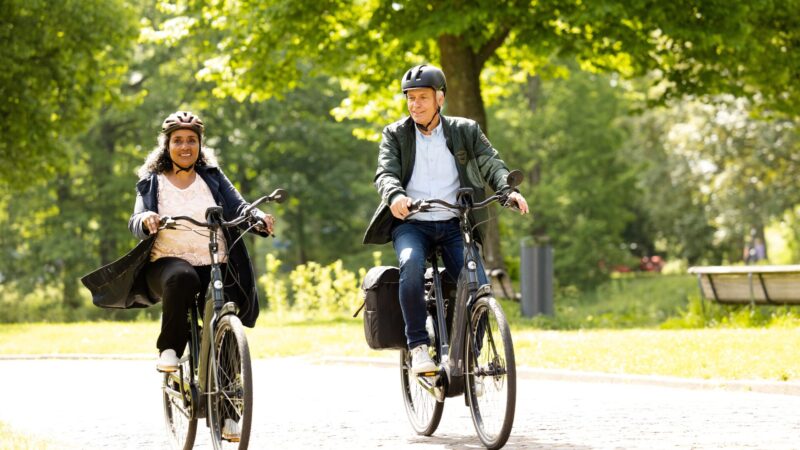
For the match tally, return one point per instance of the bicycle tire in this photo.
(230, 383)
(491, 380)
(181, 427)
(423, 410)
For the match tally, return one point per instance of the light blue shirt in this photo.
(434, 175)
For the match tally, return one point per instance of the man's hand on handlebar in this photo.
(400, 206)
(516, 199)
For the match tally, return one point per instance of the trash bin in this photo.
(536, 276)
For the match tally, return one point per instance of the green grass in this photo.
(742, 353)
(631, 301)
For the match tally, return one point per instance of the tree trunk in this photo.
(302, 254)
(69, 278)
(462, 67)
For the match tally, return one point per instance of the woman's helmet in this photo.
(424, 76)
(182, 119)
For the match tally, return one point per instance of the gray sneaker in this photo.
(421, 361)
(230, 431)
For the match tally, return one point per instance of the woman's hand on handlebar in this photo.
(150, 222)
(269, 223)
(515, 198)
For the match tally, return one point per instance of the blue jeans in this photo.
(412, 241)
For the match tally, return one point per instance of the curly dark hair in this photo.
(158, 160)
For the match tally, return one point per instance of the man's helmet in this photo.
(182, 119)
(424, 76)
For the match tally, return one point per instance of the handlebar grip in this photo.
(166, 222)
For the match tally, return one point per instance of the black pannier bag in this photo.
(384, 327)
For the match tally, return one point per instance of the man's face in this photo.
(422, 104)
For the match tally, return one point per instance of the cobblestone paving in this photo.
(299, 404)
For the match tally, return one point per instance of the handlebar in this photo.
(426, 205)
(277, 196)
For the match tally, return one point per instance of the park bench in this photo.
(753, 285)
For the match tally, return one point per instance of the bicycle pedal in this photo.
(428, 374)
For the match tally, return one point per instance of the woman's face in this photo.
(184, 147)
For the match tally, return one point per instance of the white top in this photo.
(188, 242)
(434, 174)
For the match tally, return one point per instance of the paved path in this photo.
(300, 404)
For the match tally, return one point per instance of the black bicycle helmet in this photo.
(182, 119)
(424, 76)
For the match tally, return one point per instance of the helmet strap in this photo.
(425, 127)
(182, 169)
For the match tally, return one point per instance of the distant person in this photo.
(754, 252)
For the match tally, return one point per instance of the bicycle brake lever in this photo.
(510, 204)
(166, 223)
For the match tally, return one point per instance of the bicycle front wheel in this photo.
(230, 386)
(423, 410)
(491, 373)
(181, 426)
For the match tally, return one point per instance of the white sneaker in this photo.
(168, 361)
(230, 431)
(421, 360)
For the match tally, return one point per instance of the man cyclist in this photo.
(426, 156)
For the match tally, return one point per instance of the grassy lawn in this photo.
(727, 353)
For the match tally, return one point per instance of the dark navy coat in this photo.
(121, 284)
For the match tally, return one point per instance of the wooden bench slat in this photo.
(763, 285)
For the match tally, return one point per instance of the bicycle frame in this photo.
(201, 350)
(468, 291)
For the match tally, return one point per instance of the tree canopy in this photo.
(643, 127)
(61, 61)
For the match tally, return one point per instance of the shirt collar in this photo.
(437, 132)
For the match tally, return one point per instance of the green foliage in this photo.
(294, 144)
(700, 313)
(563, 134)
(633, 301)
(312, 290)
(259, 50)
(82, 106)
(45, 304)
(62, 60)
(709, 173)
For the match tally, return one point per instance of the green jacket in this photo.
(477, 162)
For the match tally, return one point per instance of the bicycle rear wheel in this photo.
(491, 373)
(230, 384)
(181, 427)
(423, 410)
